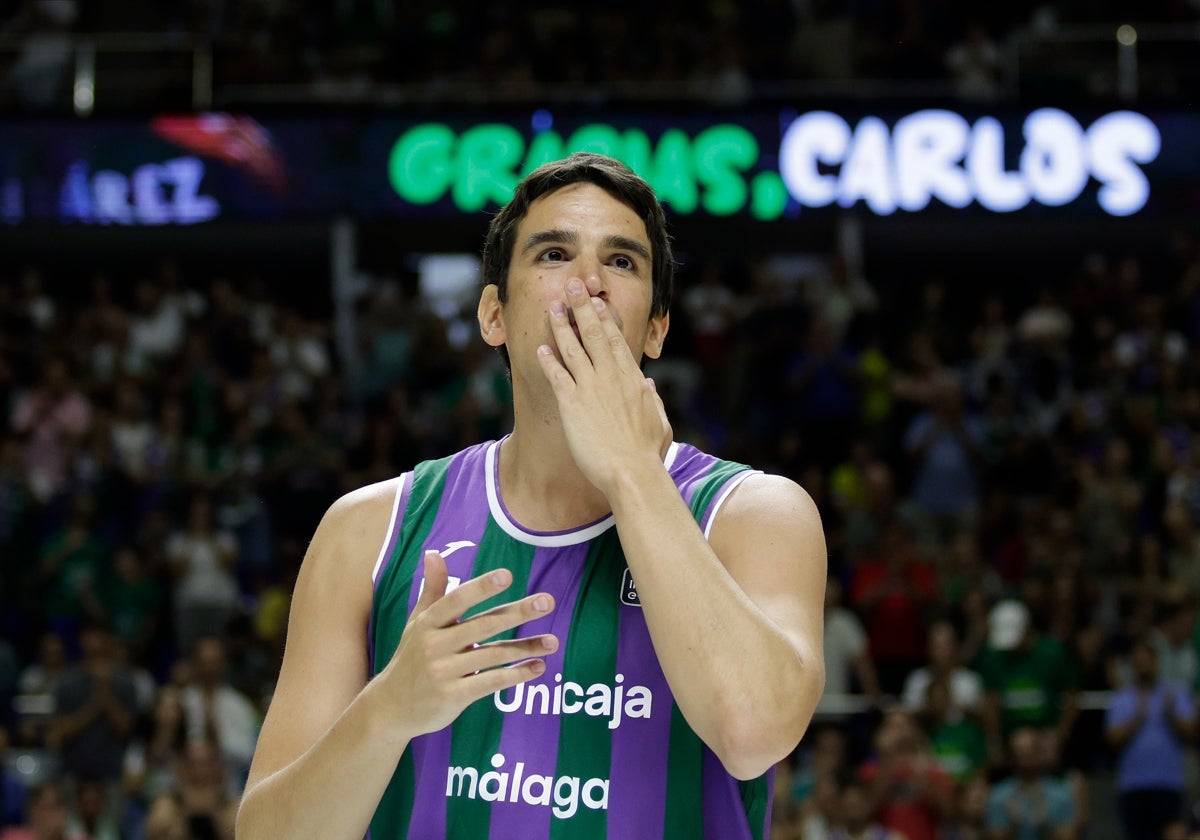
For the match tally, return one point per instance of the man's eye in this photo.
(624, 263)
(553, 255)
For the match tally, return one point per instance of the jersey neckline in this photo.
(571, 536)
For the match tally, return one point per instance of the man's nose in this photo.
(591, 272)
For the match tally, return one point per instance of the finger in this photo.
(486, 625)
(451, 607)
(622, 355)
(570, 350)
(502, 654)
(587, 312)
(497, 679)
(559, 377)
(435, 580)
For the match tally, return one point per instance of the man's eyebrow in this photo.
(542, 237)
(624, 243)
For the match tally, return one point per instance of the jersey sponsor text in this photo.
(563, 795)
(569, 698)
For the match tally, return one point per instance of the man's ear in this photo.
(491, 316)
(657, 335)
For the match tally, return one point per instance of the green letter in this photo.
(723, 152)
(420, 164)
(489, 155)
(543, 148)
(675, 179)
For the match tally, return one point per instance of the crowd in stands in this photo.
(721, 51)
(1009, 480)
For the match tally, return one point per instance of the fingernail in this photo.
(541, 603)
(549, 642)
(537, 666)
(598, 304)
(558, 308)
(575, 287)
(501, 578)
(544, 350)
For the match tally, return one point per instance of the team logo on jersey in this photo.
(629, 593)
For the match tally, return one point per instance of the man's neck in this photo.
(541, 486)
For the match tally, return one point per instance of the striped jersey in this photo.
(596, 746)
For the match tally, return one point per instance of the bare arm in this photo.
(736, 619)
(737, 623)
(331, 739)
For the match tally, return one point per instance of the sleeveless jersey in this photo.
(596, 746)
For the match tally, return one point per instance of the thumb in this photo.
(435, 580)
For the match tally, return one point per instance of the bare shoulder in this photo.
(357, 520)
(764, 504)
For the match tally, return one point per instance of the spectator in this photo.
(909, 793)
(848, 663)
(945, 663)
(892, 589)
(38, 686)
(970, 812)
(945, 444)
(96, 705)
(206, 591)
(856, 823)
(958, 741)
(12, 788)
(165, 820)
(92, 815)
(132, 600)
(1028, 678)
(71, 563)
(216, 711)
(52, 419)
(1150, 723)
(1172, 637)
(1030, 804)
(151, 761)
(204, 792)
(47, 816)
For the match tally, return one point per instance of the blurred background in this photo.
(938, 263)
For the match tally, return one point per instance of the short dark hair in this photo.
(612, 176)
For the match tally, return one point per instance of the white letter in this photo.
(518, 694)
(469, 773)
(147, 197)
(542, 798)
(815, 137)
(599, 702)
(573, 706)
(1053, 159)
(565, 806)
(533, 692)
(516, 788)
(111, 191)
(868, 170)
(637, 702)
(190, 207)
(617, 709)
(929, 145)
(596, 784)
(995, 189)
(1115, 142)
(501, 780)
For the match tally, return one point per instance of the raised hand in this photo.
(444, 663)
(611, 413)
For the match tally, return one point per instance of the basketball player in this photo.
(583, 630)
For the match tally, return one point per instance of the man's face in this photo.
(576, 232)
